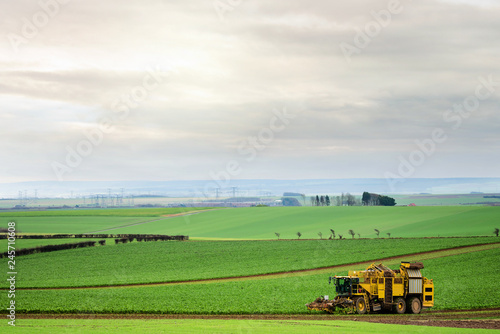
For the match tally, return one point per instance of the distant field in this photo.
(143, 212)
(456, 288)
(263, 223)
(147, 262)
(450, 199)
(72, 224)
(72, 202)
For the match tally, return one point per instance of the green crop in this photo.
(147, 262)
(122, 326)
(460, 283)
(263, 223)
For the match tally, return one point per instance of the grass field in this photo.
(147, 262)
(456, 288)
(463, 277)
(263, 223)
(220, 326)
(74, 224)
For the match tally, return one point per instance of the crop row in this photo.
(173, 261)
(459, 283)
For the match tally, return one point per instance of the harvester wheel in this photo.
(361, 306)
(414, 305)
(400, 306)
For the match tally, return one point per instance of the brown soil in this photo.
(489, 319)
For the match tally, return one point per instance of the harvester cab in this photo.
(343, 284)
(379, 287)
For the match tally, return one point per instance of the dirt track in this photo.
(173, 215)
(489, 319)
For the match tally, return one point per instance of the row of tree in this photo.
(496, 232)
(345, 199)
(98, 236)
(340, 236)
(51, 248)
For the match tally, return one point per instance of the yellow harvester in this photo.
(379, 287)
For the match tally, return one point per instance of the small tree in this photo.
(320, 235)
(496, 231)
(389, 235)
(352, 233)
(299, 234)
(278, 235)
(351, 200)
(377, 232)
(359, 236)
(327, 200)
(366, 198)
(340, 236)
(333, 233)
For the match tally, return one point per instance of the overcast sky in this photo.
(168, 90)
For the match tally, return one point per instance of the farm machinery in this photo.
(379, 288)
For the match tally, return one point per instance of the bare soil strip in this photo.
(343, 267)
(485, 318)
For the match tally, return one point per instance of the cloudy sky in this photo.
(179, 90)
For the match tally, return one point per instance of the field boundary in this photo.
(301, 272)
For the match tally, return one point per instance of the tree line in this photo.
(346, 199)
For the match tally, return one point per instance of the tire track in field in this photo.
(301, 272)
(154, 220)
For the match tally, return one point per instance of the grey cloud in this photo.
(231, 74)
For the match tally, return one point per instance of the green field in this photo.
(220, 326)
(148, 262)
(445, 199)
(73, 224)
(456, 288)
(463, 277)
(263, 223)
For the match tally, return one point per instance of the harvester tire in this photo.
(414, 305)
(361, 306)
(400, 306)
